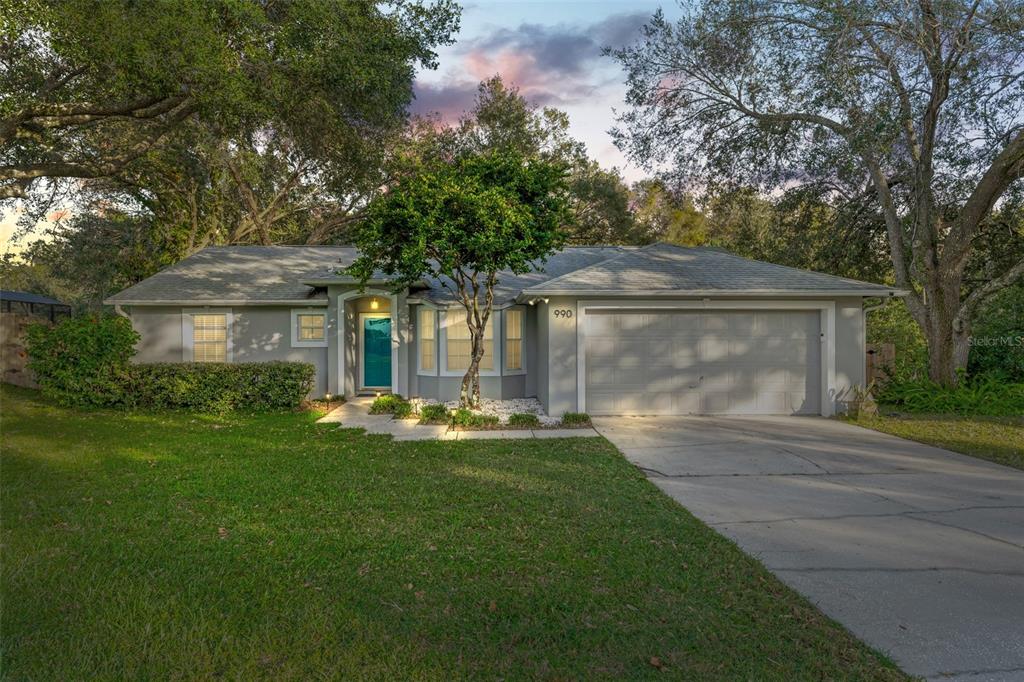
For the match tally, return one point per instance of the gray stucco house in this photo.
(658, 329)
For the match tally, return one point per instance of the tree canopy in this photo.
(462, 222)
(89, 87)
(911, 111)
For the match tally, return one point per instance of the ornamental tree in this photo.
(463, 222)
(907, 112)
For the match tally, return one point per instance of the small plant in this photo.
(403, 410)
(463, 418)
(863, 403)
(523, 419)
(575, 419)
(434, 413)
(390, 404)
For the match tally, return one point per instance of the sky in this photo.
(550, 50)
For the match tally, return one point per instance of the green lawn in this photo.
(999, 439)
(169, 546)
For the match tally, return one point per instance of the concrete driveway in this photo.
(916, 550)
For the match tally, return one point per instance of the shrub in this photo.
(82, 360)
(989, 394)
(575, 419)
(390, 404)
(219, 387)
(434, 413)
(523, 419)
(403, 410)
(466, 419)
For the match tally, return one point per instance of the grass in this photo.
(998, 439)
(169, 546)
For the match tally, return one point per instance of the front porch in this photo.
(365, 353)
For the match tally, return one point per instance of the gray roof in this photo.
(27, 297)
(251, 274)
(669, 269)
(510, 285)
(287, 275)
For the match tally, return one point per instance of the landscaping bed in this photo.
(525, 414)
(163, 545)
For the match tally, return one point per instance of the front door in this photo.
(376, 349)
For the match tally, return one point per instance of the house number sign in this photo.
(561, 312)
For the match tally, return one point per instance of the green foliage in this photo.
(464, 418)
(990, 395)
(464, 222)
(434, 413)
(391, 404)
(478, 215)
(82, 360)
(573, 419)
(997, 337)
(523, 419)
(219, 387)
(893, 324)
(663, 214)
(90, 86)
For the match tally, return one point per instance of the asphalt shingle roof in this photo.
(269, 274)
(241, 273)
(669, 268)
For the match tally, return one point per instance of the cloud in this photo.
(551, 65)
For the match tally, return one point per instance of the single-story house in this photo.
(658, 329)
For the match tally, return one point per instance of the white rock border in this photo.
(502, 409)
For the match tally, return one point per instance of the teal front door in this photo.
(377, 352)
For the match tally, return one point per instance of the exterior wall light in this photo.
(374, 304)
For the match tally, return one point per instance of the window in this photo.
(514, 338)
(309, 328)
(210, 337)
(428, 342)
(460, 346)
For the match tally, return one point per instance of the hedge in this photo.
(85, 361)
(219, 387)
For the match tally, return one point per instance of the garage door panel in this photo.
(693, 362)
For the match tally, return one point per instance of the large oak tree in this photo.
(89, 87)
(912, 108)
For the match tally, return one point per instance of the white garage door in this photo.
(686, 362)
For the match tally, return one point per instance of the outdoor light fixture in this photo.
(328, 396)
(378, 394)
(373, 304)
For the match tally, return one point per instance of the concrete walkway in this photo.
(354, 414)
(916, 550)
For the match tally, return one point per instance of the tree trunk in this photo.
(948, 339)
(469, 394)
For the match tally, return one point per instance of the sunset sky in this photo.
(550, 50)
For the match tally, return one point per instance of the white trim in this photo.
(343, 325)
(528, 294)
(496, 344)
(296, 342)
(361, 354)
(827, 335)
(505, 371)
(419, 337)
(187, 350)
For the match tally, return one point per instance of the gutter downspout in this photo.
(120, 311)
